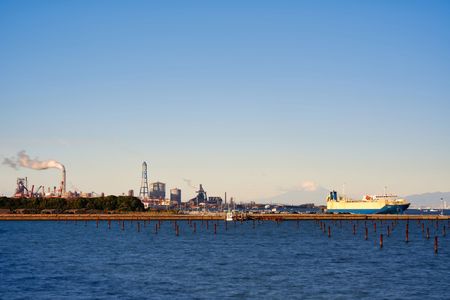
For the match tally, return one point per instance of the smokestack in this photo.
(63, 183)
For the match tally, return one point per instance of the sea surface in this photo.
(252, 260)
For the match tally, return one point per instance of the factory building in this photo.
(217, 201)
(175, 196)
(22, 187)
(157, 190)
(200, 198)
(22, 190)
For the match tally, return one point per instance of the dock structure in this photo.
(211, 216)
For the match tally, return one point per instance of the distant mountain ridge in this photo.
(296, 197)
(428, 199)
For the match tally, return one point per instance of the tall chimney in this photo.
(63, 183)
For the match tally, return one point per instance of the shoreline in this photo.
(210, 216)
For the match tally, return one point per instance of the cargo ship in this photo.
(377, 204)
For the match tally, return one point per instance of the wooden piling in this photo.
(436, 244)
(407, 233)
(195, 227)
(329, 231)
(428, 233)
(366, 235)
(381, 240)
(215, 228)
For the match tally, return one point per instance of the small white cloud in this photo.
(306, 186)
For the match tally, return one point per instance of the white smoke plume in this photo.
(189, 183)
(25, 161)
(11, 162)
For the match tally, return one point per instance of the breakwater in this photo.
(212, 216)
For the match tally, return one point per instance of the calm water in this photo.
(43, 260)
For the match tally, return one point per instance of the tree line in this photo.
(107, 203)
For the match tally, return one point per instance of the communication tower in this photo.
(143, 192)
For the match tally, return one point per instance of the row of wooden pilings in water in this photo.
(389, 230)
(326, 228)
(158, 223)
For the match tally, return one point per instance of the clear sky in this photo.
(249, 97)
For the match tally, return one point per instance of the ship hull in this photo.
(387, 209)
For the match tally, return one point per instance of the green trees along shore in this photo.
(105, 204)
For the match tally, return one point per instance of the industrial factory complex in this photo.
(152, 195)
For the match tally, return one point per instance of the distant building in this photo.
(175, 196)
(157, 190)
(217, 201)
(201, 197)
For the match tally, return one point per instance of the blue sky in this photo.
(252, 98)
